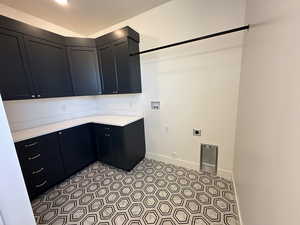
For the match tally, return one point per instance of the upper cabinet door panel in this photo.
(107, 69)
(49, 68)
(122, 65)
(14, 78)
(84, 71)
(135, 80)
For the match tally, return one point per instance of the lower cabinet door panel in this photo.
(76, 148)
(109, 146)
(121, 147)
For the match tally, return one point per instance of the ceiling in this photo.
(84, 16)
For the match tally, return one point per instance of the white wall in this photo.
(197, 84)
(268, 132)
(31, 113)
(15, 206)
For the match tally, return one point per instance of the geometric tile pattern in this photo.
(153, 193)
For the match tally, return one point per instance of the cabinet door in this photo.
(84, 71)
(76, 148)
(122, 65)
(104, 142)
(109, 145)
(49, 68)
(107, 69)
(15, 82)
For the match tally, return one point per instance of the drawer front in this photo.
(29, 148)
(41, 163)
(36, 181)
(30, 156)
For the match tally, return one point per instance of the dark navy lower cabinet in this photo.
(49, 159)
(121, 147)
(41, 163)
(76, 148)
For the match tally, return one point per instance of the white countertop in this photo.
(120, 121)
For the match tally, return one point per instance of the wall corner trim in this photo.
(237, 200)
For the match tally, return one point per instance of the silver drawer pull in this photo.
(31, 145)
(41, 185)
(34, 157)
(106, 128)
(107, 135)
(37, 171)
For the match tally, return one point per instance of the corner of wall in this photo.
(237, 199)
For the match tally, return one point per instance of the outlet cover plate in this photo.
(196, 132)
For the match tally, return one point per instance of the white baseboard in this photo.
(237, 200)
(227, 174)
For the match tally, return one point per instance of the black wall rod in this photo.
(194, 39)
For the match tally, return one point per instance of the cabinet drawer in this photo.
(37, 181)
(39, 186)
(41, 163)
(28, 148)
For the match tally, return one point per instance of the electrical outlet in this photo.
(196, 132)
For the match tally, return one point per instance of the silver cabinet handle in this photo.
(31, 145)
(106, 128)
(37, 171)
(59, 133)
(32, 96)
(41, 185)
(107, 135)
(38, 96)
(34, 157)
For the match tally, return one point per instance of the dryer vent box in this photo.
(209, 158)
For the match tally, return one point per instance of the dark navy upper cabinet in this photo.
(84, 69)
(107, 69)
(15, 82)
(120, 72)
(36, 63)
(127, 67)
(49, 68)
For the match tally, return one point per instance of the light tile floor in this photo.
(152, 193)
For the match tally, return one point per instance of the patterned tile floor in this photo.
(152, 193)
